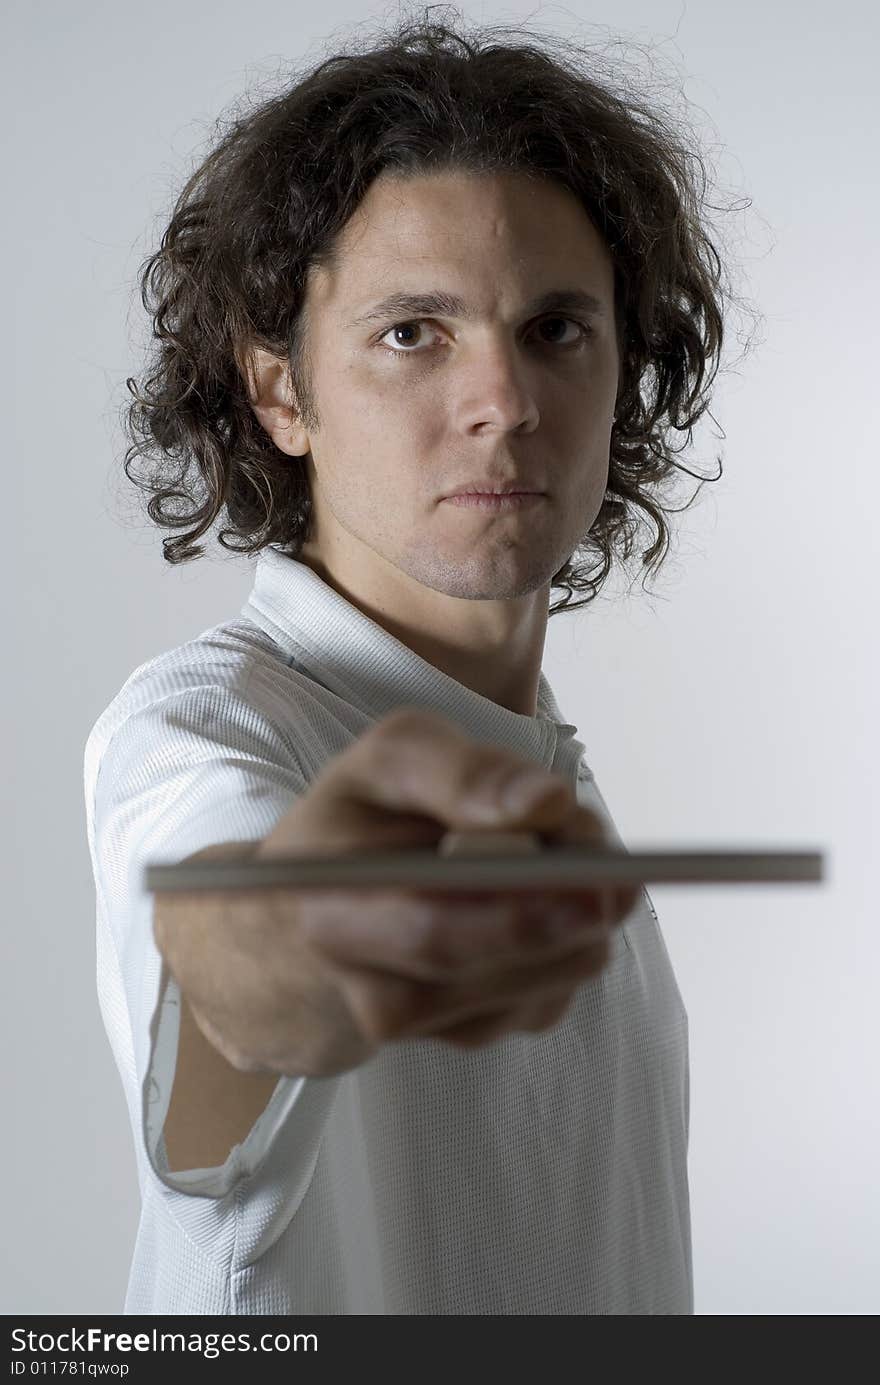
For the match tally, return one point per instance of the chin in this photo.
(499, 577)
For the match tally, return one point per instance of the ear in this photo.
(271, 398)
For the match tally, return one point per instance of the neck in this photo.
(495, 648)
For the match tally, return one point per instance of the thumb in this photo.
(417, 771)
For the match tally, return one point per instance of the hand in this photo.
(325, 977)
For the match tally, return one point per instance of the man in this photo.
(398, 1104)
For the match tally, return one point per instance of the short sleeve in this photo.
(189, 769)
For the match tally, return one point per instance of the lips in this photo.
(499, 501)
(494, 488)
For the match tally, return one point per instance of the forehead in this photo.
(449, 221)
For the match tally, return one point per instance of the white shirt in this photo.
(545, 1173)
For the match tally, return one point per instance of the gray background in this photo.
(729, 707)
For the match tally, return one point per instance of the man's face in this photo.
(415, 404)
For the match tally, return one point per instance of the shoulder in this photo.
(224, 671)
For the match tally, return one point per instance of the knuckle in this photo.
(399, 744)
(241, 1061)
(484, 772)
(228, 1044)
(396, 748)
(236, 1054)
(409, 730)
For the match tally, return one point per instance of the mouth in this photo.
(487, 500)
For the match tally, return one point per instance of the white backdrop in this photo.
(729, 705)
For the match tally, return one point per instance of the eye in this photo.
(402, 327)
(583, 333)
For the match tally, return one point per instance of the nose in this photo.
(496, 391)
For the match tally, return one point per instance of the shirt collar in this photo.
(340, 647)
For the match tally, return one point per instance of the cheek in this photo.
(587, 487)
(587, 450)
(386, 427)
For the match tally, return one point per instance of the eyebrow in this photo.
(448, 305)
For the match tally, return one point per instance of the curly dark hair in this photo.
(277, 188)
